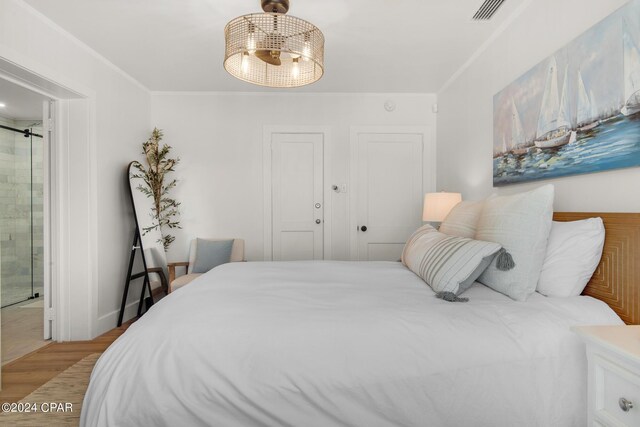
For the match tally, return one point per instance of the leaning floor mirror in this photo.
(147, 240)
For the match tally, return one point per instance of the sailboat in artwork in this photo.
(518, 138)
(587, 112)
(554, 128)
(501, 150)
(631, 67)
(594, 109)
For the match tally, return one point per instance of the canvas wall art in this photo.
(576, 112)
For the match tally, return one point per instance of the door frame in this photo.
(428, 172)
(267, 132)
(69, 268)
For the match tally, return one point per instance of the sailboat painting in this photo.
(577, 111)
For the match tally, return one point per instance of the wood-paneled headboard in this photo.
(617, 278)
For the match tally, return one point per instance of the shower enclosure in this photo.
(21, 211)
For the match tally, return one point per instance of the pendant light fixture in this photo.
(274, 49)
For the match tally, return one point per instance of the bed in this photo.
(357, 344)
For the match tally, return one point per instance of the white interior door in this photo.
(389, 186)
(297, 196)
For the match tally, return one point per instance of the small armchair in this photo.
(237, 255)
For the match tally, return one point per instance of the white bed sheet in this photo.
(343, 344)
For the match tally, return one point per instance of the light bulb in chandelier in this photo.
(245, 63)
(295, 69)
(251, 40)
(306, 50)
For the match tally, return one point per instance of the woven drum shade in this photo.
(256, 43)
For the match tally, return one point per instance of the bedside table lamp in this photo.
(438, 205)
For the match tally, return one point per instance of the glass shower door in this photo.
(21, 213)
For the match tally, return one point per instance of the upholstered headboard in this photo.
(617, 278)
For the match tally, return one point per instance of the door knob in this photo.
(318, 205)
(625, 405)
(318, 221)
(363, 228)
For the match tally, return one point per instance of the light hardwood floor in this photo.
(22, 330)
(24, 375)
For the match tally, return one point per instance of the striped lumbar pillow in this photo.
(447, 263)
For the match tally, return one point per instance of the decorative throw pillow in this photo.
(447, 263)
(210, 254)
(463, 219)
(573, 254)
(521, 224)
(412, 239)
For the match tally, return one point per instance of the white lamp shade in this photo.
(438, 205)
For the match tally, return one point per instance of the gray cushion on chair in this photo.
(210, 254)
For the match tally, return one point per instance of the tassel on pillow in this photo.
(504, 260)
(451, 297)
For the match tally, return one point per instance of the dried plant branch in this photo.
(165, 209)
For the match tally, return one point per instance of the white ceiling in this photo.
(371, 45)
(20, 103)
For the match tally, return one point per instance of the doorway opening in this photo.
(22, 219)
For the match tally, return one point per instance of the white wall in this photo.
(465, 118)
(218, 137)
(99, 216)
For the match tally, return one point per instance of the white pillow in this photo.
(463, 219)
(447, 263)
(521, 224)
(573, 254)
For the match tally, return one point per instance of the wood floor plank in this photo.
(24, 375)
(22, 330)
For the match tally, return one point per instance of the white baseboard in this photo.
(110, 320)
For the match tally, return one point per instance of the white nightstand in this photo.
(613, 353)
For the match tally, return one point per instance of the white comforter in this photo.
(343, 344)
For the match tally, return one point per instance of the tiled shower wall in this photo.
(21, 213)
